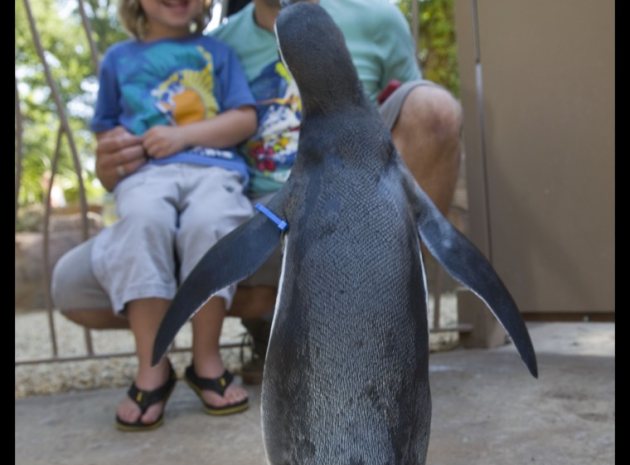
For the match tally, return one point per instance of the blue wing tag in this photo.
(280, 223)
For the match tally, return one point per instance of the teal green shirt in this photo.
(376, 32)
(381, 47)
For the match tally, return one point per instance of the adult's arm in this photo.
(118, 154)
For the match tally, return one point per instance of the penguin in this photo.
(346, 376)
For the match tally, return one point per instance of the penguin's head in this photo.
(314, 51)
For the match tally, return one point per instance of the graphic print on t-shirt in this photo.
(270, 153)
(187, 95)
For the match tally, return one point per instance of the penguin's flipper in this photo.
(464, 262)
(233, 258)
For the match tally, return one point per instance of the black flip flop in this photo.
(144, 400)
(218, 385)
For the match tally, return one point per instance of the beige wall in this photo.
(539, 136)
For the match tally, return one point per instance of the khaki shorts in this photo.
(169, 216)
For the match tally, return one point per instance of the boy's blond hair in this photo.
(134, 20)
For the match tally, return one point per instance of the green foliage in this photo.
(68, 55)
(437, 52)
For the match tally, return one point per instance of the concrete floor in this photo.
(487, 410)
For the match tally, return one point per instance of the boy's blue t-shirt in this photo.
(172, 82)
(381, 47)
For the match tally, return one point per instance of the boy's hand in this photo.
(162, 141)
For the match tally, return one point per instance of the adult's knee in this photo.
(63, 281)
(73, 284)
(427, 134)
(435, 109)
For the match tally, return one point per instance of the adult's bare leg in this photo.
(253, 301)
(101, 318)
(427, 134)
